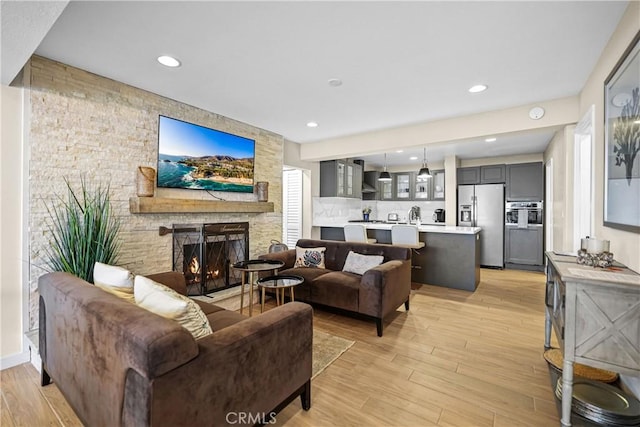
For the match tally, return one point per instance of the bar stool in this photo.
(406, 235)
(356, 233)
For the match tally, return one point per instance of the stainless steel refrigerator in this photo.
(483, 206)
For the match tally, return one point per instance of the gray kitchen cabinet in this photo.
(332, 178)
(423, 188)
(438, 184)
(385, 189)
(357, 180)
(492, 174)
(403, 186)
(525, 182)
(469, 175)
(340, 178)
(523, 245)
(399, 188)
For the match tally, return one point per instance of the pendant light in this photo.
(384, 175)
(424, 170)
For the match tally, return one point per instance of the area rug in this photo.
(326, 349)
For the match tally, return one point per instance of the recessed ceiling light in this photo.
(312, 125)
(168, 61)
(478, 88)
(399, 151)
(413, 158)
(490, 139)
(334, 82)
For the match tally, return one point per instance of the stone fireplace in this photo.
(204, 253)
(107, 130)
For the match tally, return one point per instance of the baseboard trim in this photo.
(32, 342)
(14, 360)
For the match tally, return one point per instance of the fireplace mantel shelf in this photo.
(158, 205)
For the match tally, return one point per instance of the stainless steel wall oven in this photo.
(524, 213)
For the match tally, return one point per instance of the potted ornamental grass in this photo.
(83, 230)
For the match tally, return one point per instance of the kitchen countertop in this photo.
(424, 228)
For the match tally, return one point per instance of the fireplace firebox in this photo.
(204, 253)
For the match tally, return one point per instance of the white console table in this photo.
(595, 315)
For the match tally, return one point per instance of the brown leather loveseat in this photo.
(120, 365)
(376, 293)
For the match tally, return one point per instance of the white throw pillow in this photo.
(310, 257)
(166, 302)
(358, 263)
(115, 280)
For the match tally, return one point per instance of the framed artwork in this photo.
(622, 142)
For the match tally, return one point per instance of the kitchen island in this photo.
(450, 257)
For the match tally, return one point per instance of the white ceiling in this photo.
(268, 63)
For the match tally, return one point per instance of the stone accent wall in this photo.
(85, 124)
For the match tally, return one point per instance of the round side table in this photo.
(249, 269)
(279, 284)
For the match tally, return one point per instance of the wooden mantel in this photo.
(156, 205)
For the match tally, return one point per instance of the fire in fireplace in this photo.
(204, 253)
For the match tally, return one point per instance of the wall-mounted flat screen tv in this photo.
(199, 158)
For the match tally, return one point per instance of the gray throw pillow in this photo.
(358, 263)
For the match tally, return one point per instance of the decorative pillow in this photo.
(358, 263)
(310, 257)
(166, 302)
(115, 280)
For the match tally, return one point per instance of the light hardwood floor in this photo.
(455, 359)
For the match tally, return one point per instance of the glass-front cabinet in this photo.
(438, 184)
(423, 188)
(386, 189)
(348, 176)
(340, 176)
(408, 186)
(403, 186)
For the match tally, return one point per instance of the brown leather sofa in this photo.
(377, 293)
(120, 365)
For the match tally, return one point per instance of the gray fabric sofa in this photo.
(376, 293)
(120, 365)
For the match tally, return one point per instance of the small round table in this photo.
(279, 284)
(248, 269)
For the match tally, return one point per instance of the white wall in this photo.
(12, 351)
(624, 245)
(560, 149)
(310, 183)
(451, 165)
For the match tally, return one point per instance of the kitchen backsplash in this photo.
(328, 211)
(383, 209)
